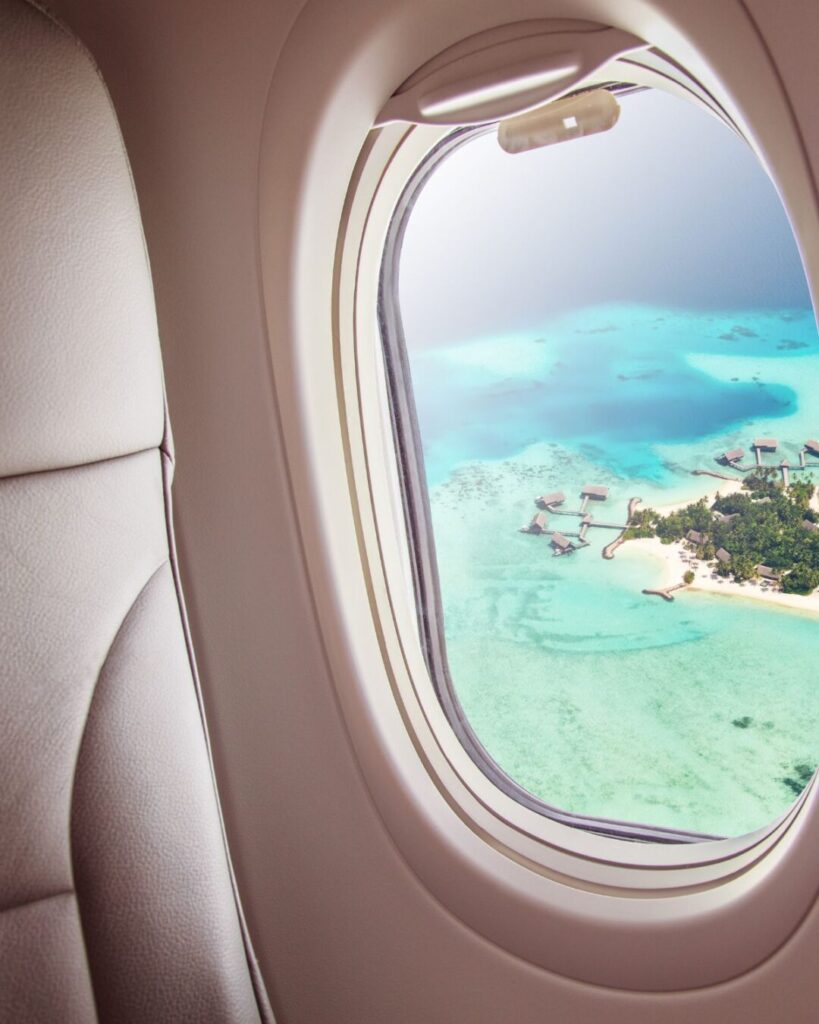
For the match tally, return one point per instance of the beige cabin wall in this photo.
(345, 932)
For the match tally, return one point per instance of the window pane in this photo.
(619, 312)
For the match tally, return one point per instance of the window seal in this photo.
(418, 518)
(499, 844)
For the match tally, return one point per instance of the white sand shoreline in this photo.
(726, 487)
(673, 560)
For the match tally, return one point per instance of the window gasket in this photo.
(418, 519)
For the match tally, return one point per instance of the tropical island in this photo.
(763, 531)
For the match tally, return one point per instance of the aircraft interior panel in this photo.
(360, 864)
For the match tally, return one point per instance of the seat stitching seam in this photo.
(11, 907)
(77, 465)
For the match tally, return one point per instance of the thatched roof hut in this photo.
(561, 544)
(537, 523)
(767, 573)
(555, 498)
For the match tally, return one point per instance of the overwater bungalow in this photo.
(695, 537)
(731, 455)
(592, 492)
(555, 498)
(811, 448)
(537, 524)
(723, 556)
(764, 444)
(561, 544)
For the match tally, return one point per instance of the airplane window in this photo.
(614, 365)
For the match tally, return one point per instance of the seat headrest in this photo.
(80, 369)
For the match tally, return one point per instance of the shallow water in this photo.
(595, 697)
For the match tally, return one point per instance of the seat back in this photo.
(116, 895)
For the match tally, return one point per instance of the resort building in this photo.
(695, 537)
(561, 544)
(723, 556)
(767, 573)
(731, 456)
(808, 525)
(764, 444)
(537, 524)
(555, 498)
(593, 492)
(811, 448)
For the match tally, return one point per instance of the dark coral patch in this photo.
(802, 774)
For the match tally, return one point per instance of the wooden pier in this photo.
(666, 593)
(732, 459)
(609, 549)
(710, 472)
(763, 444)
(549, 504)
(811, 447)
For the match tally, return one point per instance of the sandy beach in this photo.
(572, 678)
(725, 487)
(672, 560)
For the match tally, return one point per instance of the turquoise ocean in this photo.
(699, 714)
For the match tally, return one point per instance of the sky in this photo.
(669, 208)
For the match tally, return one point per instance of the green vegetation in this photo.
(688, 576)
(761, 525)
(677, 524)
(642, 524)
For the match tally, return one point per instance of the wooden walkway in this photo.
(580, 513)
(711, 472)
(665, 592)
(609, 549)
(588, 523)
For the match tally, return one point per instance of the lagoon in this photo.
(592, 696)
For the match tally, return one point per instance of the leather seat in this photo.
(116, 895)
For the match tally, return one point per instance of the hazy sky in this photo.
(669, 208)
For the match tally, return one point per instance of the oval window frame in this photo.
(560, 899)
(418, 521)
